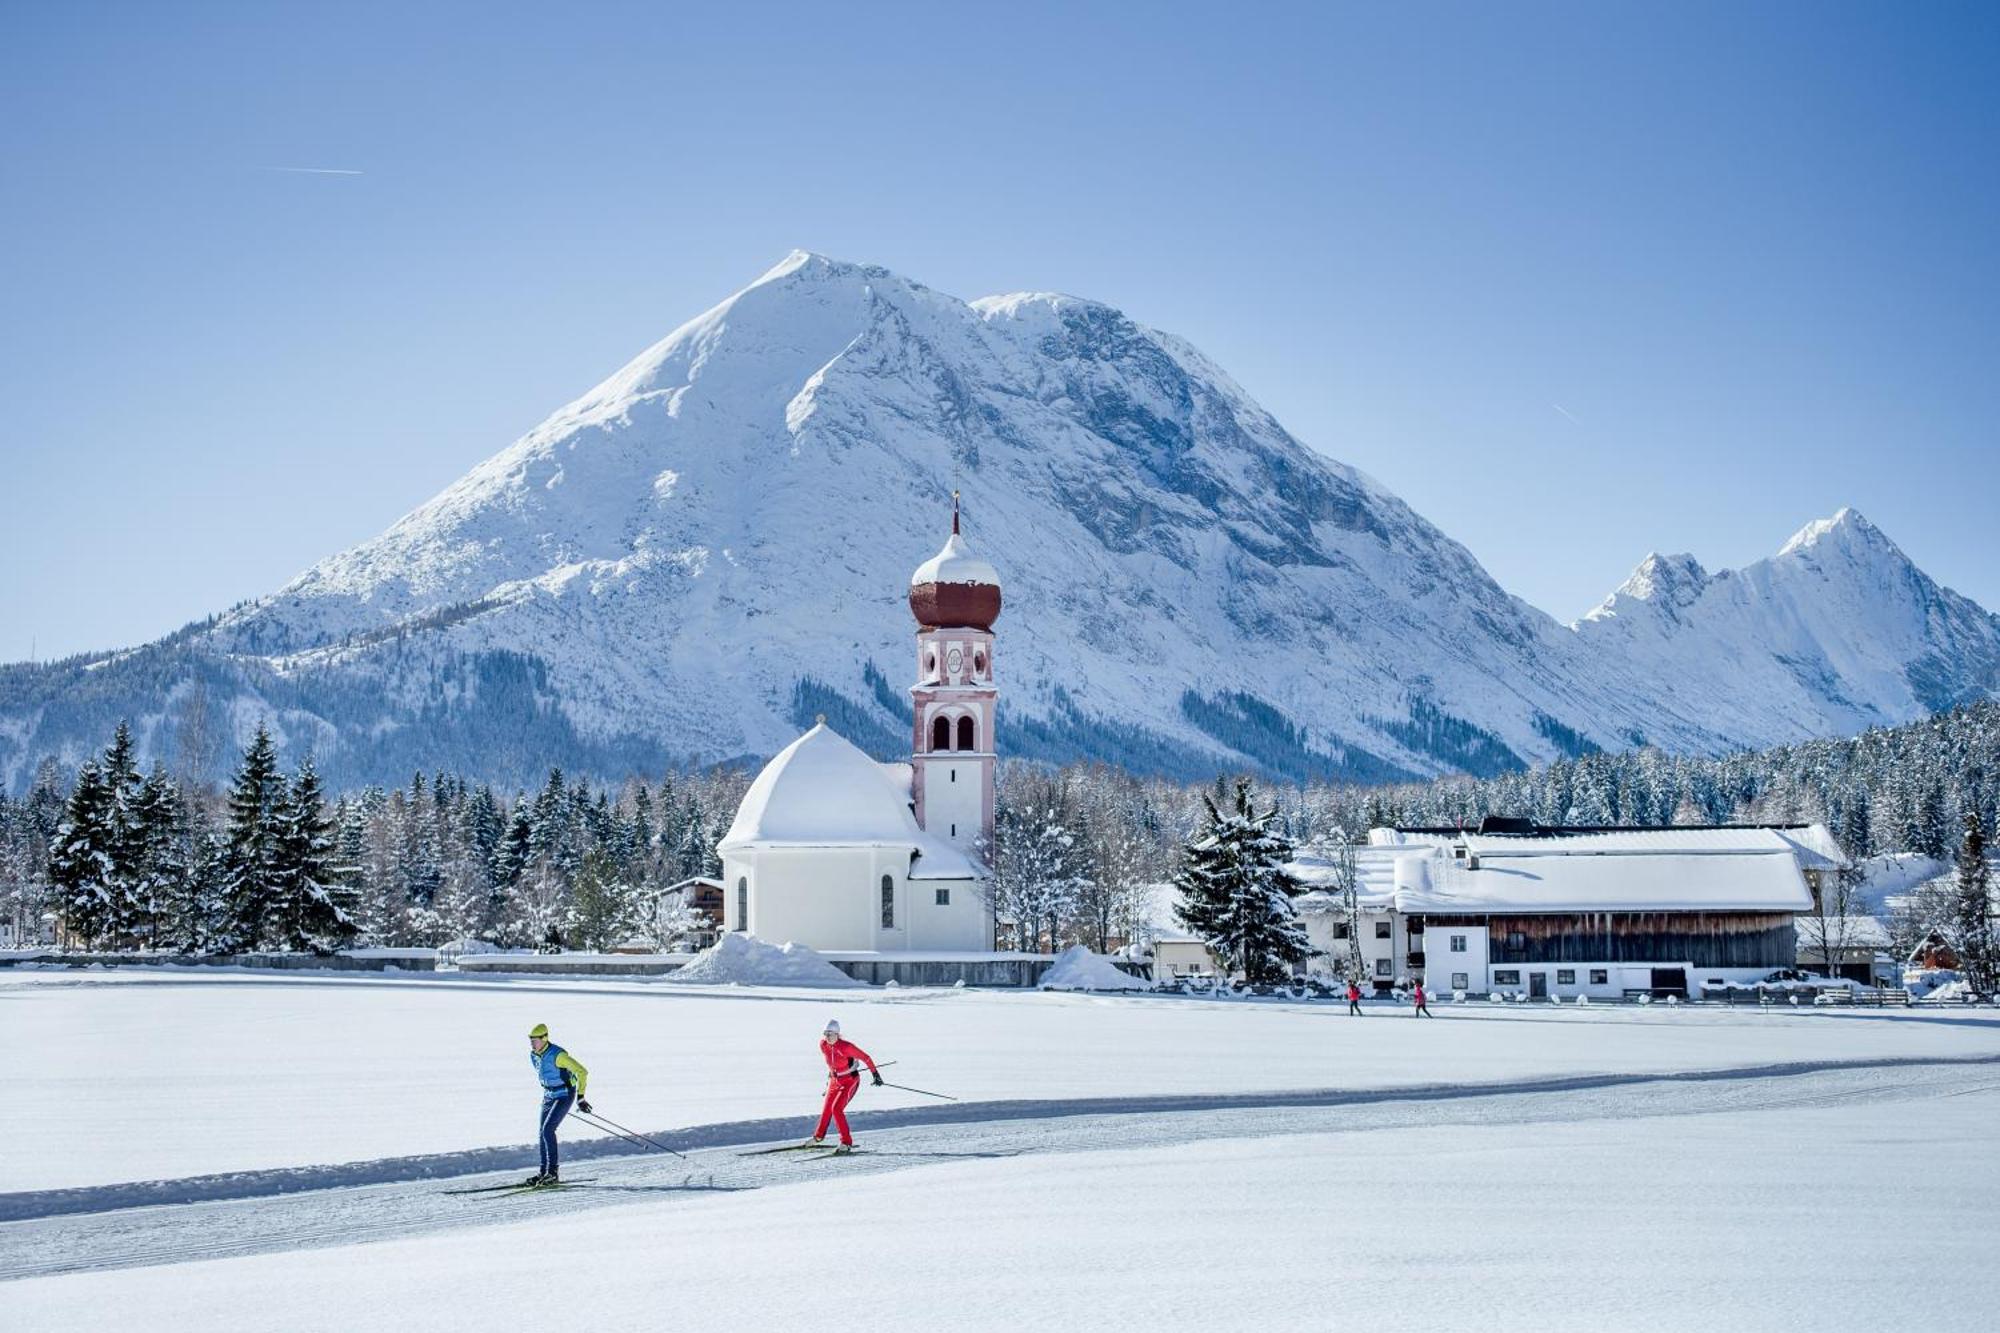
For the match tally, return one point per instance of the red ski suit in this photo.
(843, 1081)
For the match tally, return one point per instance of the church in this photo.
(835, 851)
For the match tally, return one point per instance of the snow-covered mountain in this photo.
(712, 546)
(1835, 633)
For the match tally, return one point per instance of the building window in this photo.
(1565, 976)
(888, 902)
(967, 734)
(1507, 976)
(1382, 967)
(1340, 930)
(941, 734)
(1461, 981)
(1517, 939)
(1381, 930)
(1458, 944)
(944, 897)
(1600, 976)
(979, 664)
(742, 903)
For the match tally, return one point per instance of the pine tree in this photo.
(82, 860)
(248, 890)
(1972, 911)
(1237, 896)
(600, 912)
(161, 862)
(121, 779)
(194, 913)
(311, 908)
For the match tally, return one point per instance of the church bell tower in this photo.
(955, 597)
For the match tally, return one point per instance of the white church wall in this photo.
(960, 924)
(817, 896)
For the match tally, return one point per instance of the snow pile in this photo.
(1954, 992)
(1077, 968)
(745, 960)
(1925, 982)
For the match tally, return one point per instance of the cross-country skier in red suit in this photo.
(843, 1063)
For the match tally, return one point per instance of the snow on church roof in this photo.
(955, 564)
(821, 791)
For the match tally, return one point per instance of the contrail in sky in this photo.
(316, 171)
(1565, 411)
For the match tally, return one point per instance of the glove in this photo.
(878, 1079)
(583, 1106)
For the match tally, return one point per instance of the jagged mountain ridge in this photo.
(1837, 632)
(711, 545)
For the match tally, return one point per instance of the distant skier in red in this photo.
(843, 1063)
(1353, 998)
(1422, 1010)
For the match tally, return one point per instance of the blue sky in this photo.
(1578, 281)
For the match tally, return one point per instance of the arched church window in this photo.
(888, 902)
(941, 734)
(979, 664)
(742, 904)
(966, 734)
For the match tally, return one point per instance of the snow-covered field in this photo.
(1498, 1167)
(162, 1075)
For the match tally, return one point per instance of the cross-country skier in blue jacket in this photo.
(562, 1078)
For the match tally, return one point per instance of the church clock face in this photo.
(952, 660)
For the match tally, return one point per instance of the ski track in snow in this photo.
(167, 1222)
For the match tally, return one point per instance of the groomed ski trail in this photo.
(59, 1232)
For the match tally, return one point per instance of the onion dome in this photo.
(955, 589)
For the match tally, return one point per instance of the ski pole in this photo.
(857, 1071)
(600, 1122)
(901, 1087)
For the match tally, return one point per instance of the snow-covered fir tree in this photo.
(83, 860)
(601, 908)
(249, 890)
(157, 881)
(1236, 894)
(1972, 927)
(312, 903)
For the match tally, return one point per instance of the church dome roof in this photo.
(821, 791)
(955, 589)
(955, 564)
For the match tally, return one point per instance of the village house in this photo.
(1516, 908)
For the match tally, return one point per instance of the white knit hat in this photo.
(833, 1026)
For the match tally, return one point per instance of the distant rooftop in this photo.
(1513, 826)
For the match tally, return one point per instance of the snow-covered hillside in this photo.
(1836, 633)
(711, 546)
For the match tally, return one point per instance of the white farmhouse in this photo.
(1567, 912)
(835, 851)
(1559, 913)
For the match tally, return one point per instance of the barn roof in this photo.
(1655, 882)
(1813, 846)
